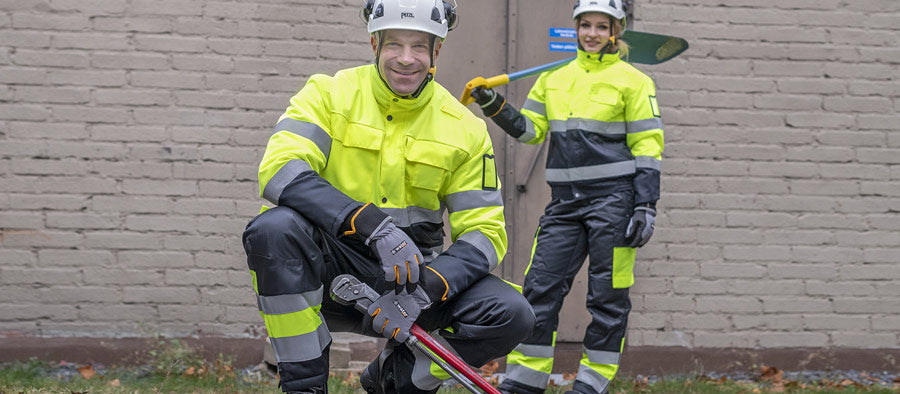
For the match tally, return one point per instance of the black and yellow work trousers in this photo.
(569, 231)
(292, 264)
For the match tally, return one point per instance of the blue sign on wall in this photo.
(562, 32)
(563, 47)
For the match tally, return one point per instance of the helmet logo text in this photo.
(404, 15)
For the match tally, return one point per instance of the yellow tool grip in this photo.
(491, 82)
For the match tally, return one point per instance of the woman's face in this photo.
(594, 29)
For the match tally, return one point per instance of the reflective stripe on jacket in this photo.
(604, 127)
(413, 158)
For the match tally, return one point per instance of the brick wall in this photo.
(130, 131)
(781, 177)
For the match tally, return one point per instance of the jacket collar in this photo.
(588, 61)
(386, 98)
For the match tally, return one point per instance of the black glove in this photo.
(483, 96)
(394, 314)
(400, 257)
(640, 227)
(490, 101)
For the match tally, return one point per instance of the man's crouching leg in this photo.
(286, 267)
(482, 323)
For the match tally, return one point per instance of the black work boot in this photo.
(582, 388)
(377, 380)
(311, 390)
(509, 386)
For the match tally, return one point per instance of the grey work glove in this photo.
(640, 227)
(400, 257)
(393, 314)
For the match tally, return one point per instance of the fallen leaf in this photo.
(87, 371)
(640, 384)
(490, 368)
(114, 383)
(351, 376)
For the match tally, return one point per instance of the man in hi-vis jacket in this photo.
(361, 167)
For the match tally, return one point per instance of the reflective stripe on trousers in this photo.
(426, 374)
(295, 325)
(571, 230)
(530, 365)
(598, 368)
(291, 261)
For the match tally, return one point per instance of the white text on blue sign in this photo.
(563, 47)
(562, 32)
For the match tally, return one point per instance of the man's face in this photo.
(405, 58)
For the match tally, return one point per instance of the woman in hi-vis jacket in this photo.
(602, 121)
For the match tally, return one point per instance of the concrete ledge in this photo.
(652, 360)
(124, 351)
(645, 360)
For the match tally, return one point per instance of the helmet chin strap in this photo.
(428, 78)
(606, 48)
(609, 44)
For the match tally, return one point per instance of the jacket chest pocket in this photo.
(428, 167)
(356, 146)
(361, 141)
(557, 103)
(604, 104)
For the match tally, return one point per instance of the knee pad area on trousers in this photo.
(283, 252)
(275, 224)
(522, 319)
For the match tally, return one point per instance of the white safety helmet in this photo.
(431, 16)
(614, 8)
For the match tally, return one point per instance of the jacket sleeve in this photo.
(535, 112)
(478, 227)
(643, 126)
(295, 154)
(529, 125)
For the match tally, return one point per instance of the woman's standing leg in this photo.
(610, 275)
(559, 251)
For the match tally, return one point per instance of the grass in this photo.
(37, 377)
(172, 367)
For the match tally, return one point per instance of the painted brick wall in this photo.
(780, 223)
(130, 131)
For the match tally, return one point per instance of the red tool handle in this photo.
(451, 359)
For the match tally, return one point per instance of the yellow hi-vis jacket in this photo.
(604, 125)
(347, 139)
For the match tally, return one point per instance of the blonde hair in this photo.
(620, 45)
(617, 28)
